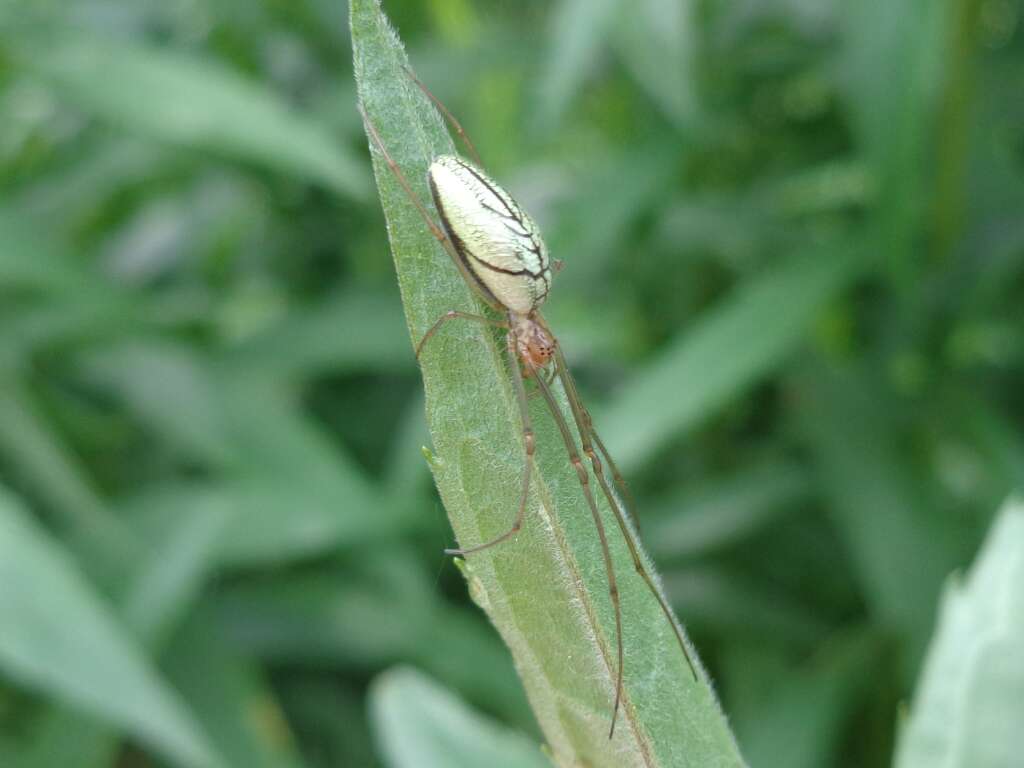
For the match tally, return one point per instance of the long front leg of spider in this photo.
(435, 230)
(584, 425)
(524, 413)
(617, 478)
(447, 116)
(528, 444)
(453, 314)
(613, 588)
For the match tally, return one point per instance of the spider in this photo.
(500, 253)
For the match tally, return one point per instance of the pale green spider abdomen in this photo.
(496, 240)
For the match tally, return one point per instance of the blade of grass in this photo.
(892, 63)
(578, 30)
(800, 722)
(169, 96)
(299, 493)
(901, 549)
(421, 725)
(692, 522)
(741, 340)
(656, 41)
(306, 342)
(228, 692)
(592, 226)
(166, 387)
(546, 590)
(41, 460)
(60, 639)
(969, 704)
(329, 717)
(732, 604)
(295, 493)
(181, 557)
(308, 619)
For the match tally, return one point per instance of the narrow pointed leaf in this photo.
(173, 97)
(52, 620)
(744, 338)
(969, 705)
(421, 725)
(545, 590)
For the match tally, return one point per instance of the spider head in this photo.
(534, 343)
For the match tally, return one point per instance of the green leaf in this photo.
(184, 556)
(901, 548)
(306, 342)
(421, 725)
(181, 557)
(52, 621)
(546, 590)
(730, 604)
(892, 65)
(70, 300)
(230, 696)
(330, 716)
(169, 390)
(969, 705)
(307, 619)
(710, 517)
(294, 492)
(34, 263)
(799, 719)
(578, 31)
(169, 96)
(39, 457)
(744, 338)
(592, 226)
(408, 475)
(298, 492)
(656, 41)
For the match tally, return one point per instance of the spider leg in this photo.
(451, 314)
(448, 116)
(432, 225)
(584, 425)
(613, 588)
(620, 482)
(551, 374)
(378, 142)
(529, 445)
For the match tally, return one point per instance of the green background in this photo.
(793, 297)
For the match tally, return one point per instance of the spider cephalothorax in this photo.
(534, 344)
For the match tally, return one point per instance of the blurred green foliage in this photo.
(794, 296)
